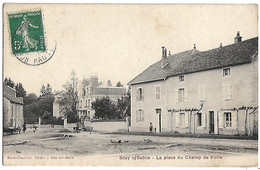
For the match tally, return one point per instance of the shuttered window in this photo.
(228, 119)
(140, 94)
(202, 92)
(181, 95)
(158, 92)
(139, 115)
(182, 119)
(227, 91)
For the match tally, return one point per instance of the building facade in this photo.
(209, 92)
(91, 90)
(12, 109)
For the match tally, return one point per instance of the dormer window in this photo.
(226, 72)
(181, 78)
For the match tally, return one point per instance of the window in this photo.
(202, 92)
(181, 78)
(140, 94)
(80, 103)
(228, 119)
(139, 115)
(158, 92)
(158, 111)
(182, 119)
(199, 120)
(227, 91)
(181, 95)
(89, 104)
(226, 72)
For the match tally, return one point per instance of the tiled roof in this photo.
(12, 96)
(194, 61)
(109, 91)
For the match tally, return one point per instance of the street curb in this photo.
(186, 135)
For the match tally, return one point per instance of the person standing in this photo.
(151, 127)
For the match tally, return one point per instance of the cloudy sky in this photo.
(119, 41)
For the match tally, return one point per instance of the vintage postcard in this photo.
(130, 85)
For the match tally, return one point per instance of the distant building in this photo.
(91, 90)
(208, 92)
(12, 109)
(57, 110)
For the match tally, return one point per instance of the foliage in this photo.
(29, 99)
(9, 82)
(69, 99)
(118, 84)
(109, 83)
(123, 107)
(20, 91)
(104, 108)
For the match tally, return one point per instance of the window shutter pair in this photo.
(138, 95)
(227, 91)
(202, 92)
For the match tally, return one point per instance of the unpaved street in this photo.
(51, 142)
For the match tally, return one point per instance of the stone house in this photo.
(199, 92)
(12, 108)
(94, 90)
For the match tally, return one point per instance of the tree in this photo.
(69, 99)
(118, 84)
(123, 107)
(104, 108)
(9, 82)
(30, 98)
(109, 83)
(20, 91)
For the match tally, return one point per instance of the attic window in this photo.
(181, 78)
(226, 72)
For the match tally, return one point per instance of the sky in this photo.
(118, 41)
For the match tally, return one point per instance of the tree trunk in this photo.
(40, 121)
(65, 122)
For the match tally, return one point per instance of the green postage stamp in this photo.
(27, 33)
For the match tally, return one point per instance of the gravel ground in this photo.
(49, 142)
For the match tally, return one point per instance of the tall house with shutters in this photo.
(199, 92)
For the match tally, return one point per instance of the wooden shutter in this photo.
(185, 95)
(137, 94)
(221, 119)
(204, 119)
(234, 119)
(177, 119)
(200, 92)
(177, 95)
(142, 115)
(142, 94)
(136, 115)
(186, 119)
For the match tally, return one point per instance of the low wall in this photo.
(106, 126)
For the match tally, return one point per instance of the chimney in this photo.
(238, 38)
(164, 61)
(194, 46)
(163, 52)
(220, 46)
(169, 53)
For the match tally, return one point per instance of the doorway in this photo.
(211, 122)
(159, 111)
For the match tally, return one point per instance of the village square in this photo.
(181, 102)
